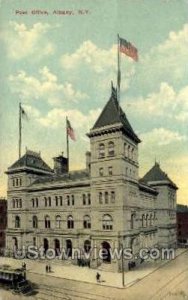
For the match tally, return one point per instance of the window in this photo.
(61, 200)
(58, 221)
(132, 154)
(110, 171)
(56, 200)
(84, 199)
(70, 222)
(112, 197)
(132, 221)
(20, 181)
(143, 221)
(68, 200)
(107, 222)
(106, 197)
(17, 181)
(20, 203)
(100, 198)
(128, 151)
(34, 241)
(111, 149)
(47, 222)
(17, 222)
(37, 202)
(89, 199)
(35, 222)
(13, 182)
(49, 201)
(13, 203)
(87, 222)
(125, 150)
(101, 150)
(46, 201)
(147, 219)
(101, 172)
(72, 199)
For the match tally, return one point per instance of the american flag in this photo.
(70, 131)
(128, 49)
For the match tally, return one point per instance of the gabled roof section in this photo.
(155, 174)
(113, 114)
(32, 160)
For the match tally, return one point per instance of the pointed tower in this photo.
(114, 174)
(114, 144)
(165, 205)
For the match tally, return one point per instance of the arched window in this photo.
(107, 222)
(132, 221)
(143, 221)
(112, 197)
(45, 201)
(106, 197)
(72, 199)
(89, 198)
(147, 220)
(58, 221)
(100, 197)
(128, 151)
(84, 199)
(87, 222)
(47, 222)
(101, 150)
(111, 151)
(35, 222)
(56, 200)
(37, 202)
(70, 222)
(68, 200)
(17, 222)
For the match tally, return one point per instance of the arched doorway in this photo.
(69, 248)
(87, 246)
(106, 256)
(46, 245)
(57, 247)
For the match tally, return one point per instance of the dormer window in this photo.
(101, 150)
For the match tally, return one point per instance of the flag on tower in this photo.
(128, 49)
(23, 113)
(70, 131)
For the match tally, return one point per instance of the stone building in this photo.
(104, 206)
(3, 224)
(182, 225)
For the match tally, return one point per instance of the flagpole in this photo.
(67, 138)
(118, 70)
(20, 130)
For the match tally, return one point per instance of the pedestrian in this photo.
(47, 269)
(98, 276)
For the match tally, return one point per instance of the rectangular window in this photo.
(110, 171)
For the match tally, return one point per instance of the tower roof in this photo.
(156, 176)
(113, 114)
(32, 160)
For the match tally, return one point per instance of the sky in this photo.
(58, 58)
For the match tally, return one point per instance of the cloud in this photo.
(165, 62)
(161, 137)
(23, 42)
(46, 88)
(56, 118)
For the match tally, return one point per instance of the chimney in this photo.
(60, 164)
(88, 160)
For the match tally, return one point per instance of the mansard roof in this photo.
(113, 114)
(30, 160)
(157, 177)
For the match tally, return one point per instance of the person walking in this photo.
(98, 276)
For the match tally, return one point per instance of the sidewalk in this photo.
(85, 274)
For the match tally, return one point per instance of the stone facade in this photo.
(105, 206)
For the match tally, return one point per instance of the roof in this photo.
(113, 114)
(155, 174)
(31, 160)
(71, 176)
